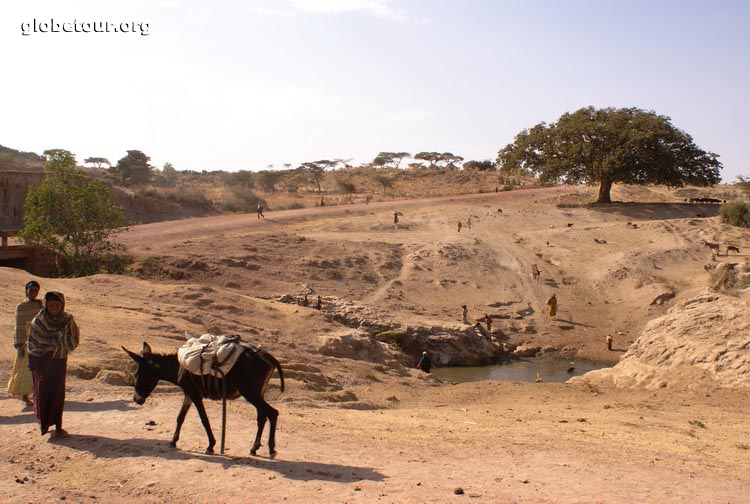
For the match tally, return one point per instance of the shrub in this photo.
(736, 213)
(74, 216)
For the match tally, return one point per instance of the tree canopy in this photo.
(607, 146)
(72, 215)
(97, 161)
(133, 169)
(389, 158)
(439, 159)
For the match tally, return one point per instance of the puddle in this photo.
(522, 370)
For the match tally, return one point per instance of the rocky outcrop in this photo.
(376, 338)
(703, 341)
(360, 345)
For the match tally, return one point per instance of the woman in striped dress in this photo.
(53, 334)
(20, 383)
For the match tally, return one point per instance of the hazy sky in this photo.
(244, 84)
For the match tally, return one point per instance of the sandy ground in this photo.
(358, 431)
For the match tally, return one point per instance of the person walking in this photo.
(552, 303)
(53, 334)
(464, 314)
(21, 383)
(459, 226)
(260, 211)
(395, 217)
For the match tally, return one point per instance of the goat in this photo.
(732, 248)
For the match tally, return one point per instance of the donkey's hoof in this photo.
(210, 449)
(173, 444)
(254, 451)
(272, 454)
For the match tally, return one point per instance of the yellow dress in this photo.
(552, 302)
(20, 381)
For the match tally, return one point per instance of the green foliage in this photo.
(736, 213)
(315, 170)
(242, 178)
(168, 176)
(384, 180)
(389, 158)
(74, 216)
(98, 161)
(268, 179)
(346, 186)
(439, 160)
(133, 169)
(485, 165)
(629, 146)
(241, 199)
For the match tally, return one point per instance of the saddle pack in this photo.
(210, 354)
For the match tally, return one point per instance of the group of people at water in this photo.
(45, 334)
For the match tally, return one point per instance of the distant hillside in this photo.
(14, 160)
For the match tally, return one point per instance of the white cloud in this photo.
(380, 8)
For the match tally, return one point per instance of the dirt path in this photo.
(144, 234)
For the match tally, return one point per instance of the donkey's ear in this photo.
(146, 351)
(137, 358)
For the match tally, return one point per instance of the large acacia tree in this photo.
(607, 146)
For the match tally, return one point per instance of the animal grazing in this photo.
(248, 378)
(597, 240)
(732, 248)
(713, 246)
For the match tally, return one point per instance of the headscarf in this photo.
(53, 336)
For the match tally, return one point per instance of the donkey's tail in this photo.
(277, 365)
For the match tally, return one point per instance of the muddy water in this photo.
(525, 370)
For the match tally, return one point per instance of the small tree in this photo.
(133, 169)
(316, 169)
(97, 161)
(268, 179)
(73, 215)
(346, 186)
(389, 158)
(485, 165)
(384, 180)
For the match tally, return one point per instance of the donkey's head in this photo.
(147, 375)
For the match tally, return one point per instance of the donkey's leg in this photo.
(265, 412)
(259, 432)
(186, 402)
(273, 415)
(206, 425)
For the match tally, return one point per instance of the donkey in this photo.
(248, 378)
(713, 246)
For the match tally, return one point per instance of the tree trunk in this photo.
(604, 189)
